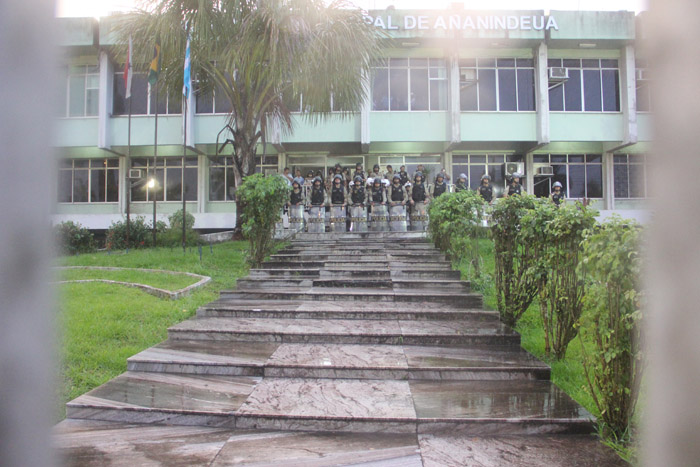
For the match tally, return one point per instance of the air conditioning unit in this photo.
(545, 171)
(642, 74)
(135, 174)
(467, 76)
(558, 74)
(513, 167)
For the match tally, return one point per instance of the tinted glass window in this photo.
(526, 90)
(506, 90)
(572, 91)
(611, 90)
(487, 89)
(591, 90)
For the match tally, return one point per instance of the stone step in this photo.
(359, 258)
(353, 331)
(292, 273)
(359, 247)
(430, 298)
(363, 237)
(299, 309)
(470, 408)
(339, 361)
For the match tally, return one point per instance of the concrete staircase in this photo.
(367, 332)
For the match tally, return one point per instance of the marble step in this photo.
(339, 331)
(470, 408)
(429, 297)
(299, 309)
(339, 361)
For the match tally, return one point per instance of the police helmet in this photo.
(440, 175)
(487, 177)
(396, 177)
(377, 180)
(296, 182)
(317, 179)
(358, 178)
(516, 175)
(464, 176)
(557, 184)
(337, 177)
(376, 166)
(418, 174)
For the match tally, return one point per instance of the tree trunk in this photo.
(243, 164)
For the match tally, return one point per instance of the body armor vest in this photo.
(557, 197)
(439, 189)
(418, 194)
(338, 195)
(317, 196)
(459, 186)
(396, 193)
(486, 192)
(377, 195)
(515, 189)
(358, 196)
(404, 178)
(296, 197)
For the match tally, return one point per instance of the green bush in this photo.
(172, 236)
(455, 227)
(515, 287)
(140, 234)
(553, 236)
(73, 238)
(261, 199)
(612, 321)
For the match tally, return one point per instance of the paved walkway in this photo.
(343, 349)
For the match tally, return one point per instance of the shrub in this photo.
(261, 199)
(172, 236)
(140, 234)
(73, 238)
(553, 236)
(455, 226)
(612, 321)
(515, 288)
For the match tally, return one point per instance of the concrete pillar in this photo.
(123, 185)
(104, 110)
(542, 93)
(529, 174)
(628, 94)
(28, 192)
(365, 137)
(202, 183)
(608, 182)
(672, 434)
(454, 104)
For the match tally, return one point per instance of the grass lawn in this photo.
(101, 325)
(164, 281)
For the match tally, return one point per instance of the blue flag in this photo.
(187, 86)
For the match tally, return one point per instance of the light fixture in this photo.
(587, 45)
(151, 183)
(410, 44)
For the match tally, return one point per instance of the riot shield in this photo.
(279, 226)
(358, 218)
(317, 219)
(296, 218)
(419, 217)
(338, 219)
(380, 219)
(397, 218)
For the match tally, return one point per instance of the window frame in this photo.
(85, 73)
(93, 166)
(163, 164)
(516, 67)
(568, 164)
(581, 68)
(642, 162)
(431, 64)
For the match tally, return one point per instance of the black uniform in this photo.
(515, 189)
(557, 197)
(296, 198)
(439, 189)
(459, 186)
(358, 195)
(486, 192)
(404, 178)
(418, 193)
(397, 194)
(317, 196)
(338, 195)
(377, 194)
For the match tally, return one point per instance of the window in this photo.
(82, 90)
(221, 179)
(581, 175)
(170, 177)
(88, 181)
(212, 102)
(505, 84)
(474, 166)
(410, 84)
(630, 174)
(266, 164)
(431, 164)
(644, 103)
(143, 97)
(593, 86)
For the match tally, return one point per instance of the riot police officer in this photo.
(419, 200)
(377, 194)
(515, 188)
(557, 196)
(397, 193)
(375, 172)
(485, 189)
(404, 175)
(439, 187)
(296, 198)
(359, 172)
(358, 194)
(317, 195)
(338, 194)
(461, 184)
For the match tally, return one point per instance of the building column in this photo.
(529, 174)
(454, 104)
(123, 184)
(202, 182)
(628, 94)
(608, 182)
(542, 93)
(366, 107)
(104, 106)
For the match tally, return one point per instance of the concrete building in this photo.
(561, 97)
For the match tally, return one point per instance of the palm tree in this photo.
(263, 55)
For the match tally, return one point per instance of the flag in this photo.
(127, 71)
(155, 64)
(187, 86)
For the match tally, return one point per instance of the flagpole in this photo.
(128, 185)
(184, 154)
(155, 166)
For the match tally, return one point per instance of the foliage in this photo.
(140, 234)
(73, 238)
(260, 57)
(515, 288)
(172, 236)
(553, 235)
(613, 314)
(261, 199)
(455, 226)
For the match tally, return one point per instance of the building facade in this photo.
(559, 97)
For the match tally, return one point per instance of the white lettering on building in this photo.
(456, 22)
